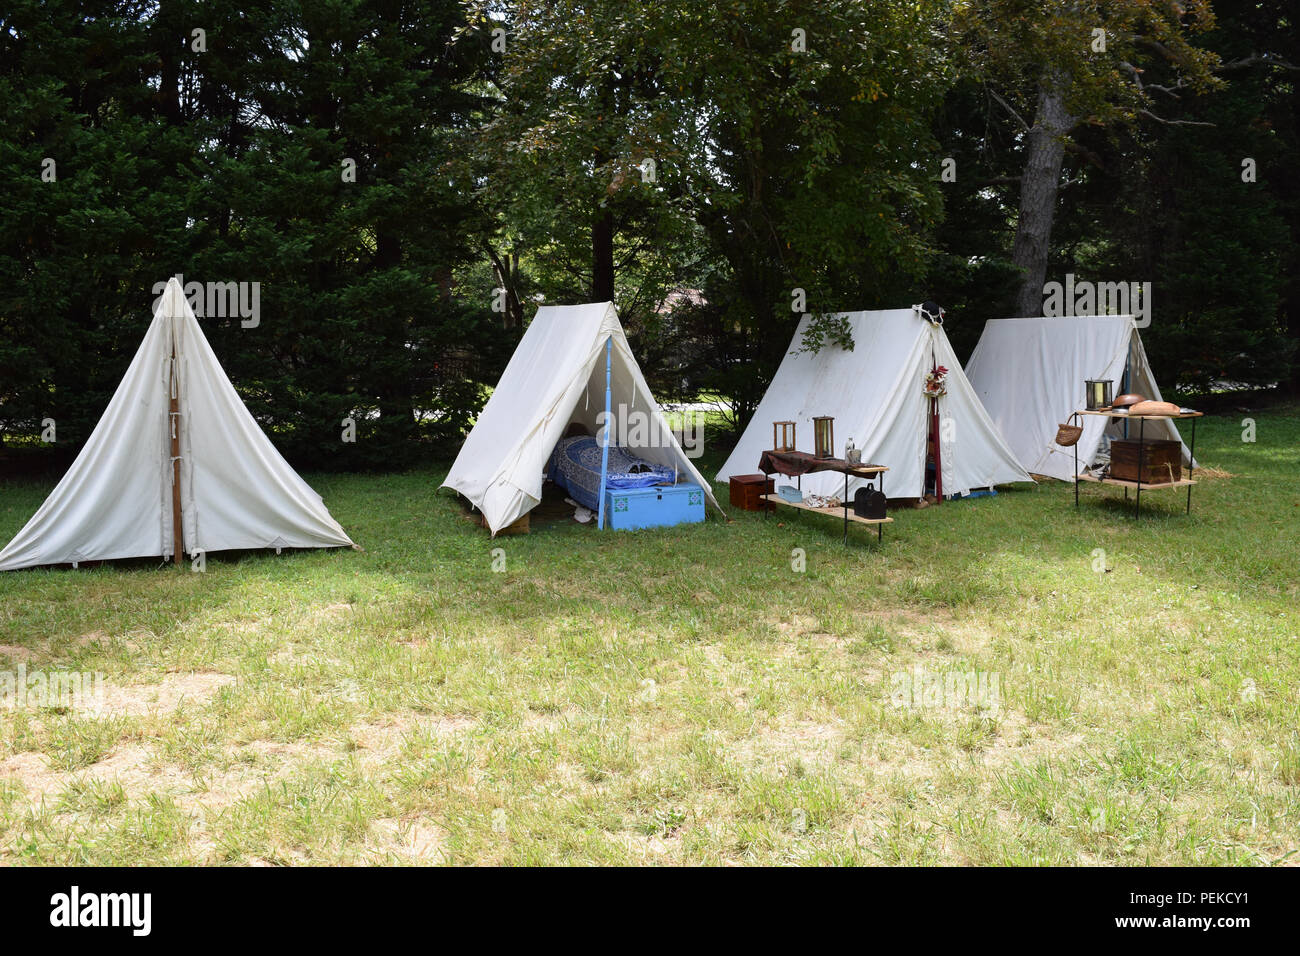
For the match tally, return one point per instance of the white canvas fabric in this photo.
(116, 500)
(556, 376)
(875, 393)
(1030, 375)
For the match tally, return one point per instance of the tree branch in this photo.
(1246, 62)
(1136, 74)
(1007, 106)
(1171, 122)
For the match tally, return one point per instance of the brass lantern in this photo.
(1098, 394)
(824, 436)
(783, 436)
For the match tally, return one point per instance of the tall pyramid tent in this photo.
(558, 375)
(1030, 375)
(118, 499)
(875, 392)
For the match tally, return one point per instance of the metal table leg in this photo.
(1074, 418)
(880, 528)
(1191, 466)
(845, 503)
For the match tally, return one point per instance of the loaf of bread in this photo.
(1153, 408)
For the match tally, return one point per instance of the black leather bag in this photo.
(869, 503)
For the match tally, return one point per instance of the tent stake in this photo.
(178, 545)
(604, 454)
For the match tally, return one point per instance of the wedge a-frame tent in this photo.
(175, 417)
(875, 392)
(1030, 375)
(572, 363)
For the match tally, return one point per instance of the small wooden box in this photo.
(745, 490)
(1162, 460)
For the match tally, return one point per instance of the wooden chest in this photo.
(660, 506)
(1162, 460)
(745, 491)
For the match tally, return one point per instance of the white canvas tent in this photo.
(572, 363)
(118, 499)
(875, 393)
(1030, 375)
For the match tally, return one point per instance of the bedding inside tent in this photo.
(572, 367)
(575, 466)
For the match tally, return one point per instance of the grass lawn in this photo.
(683, 696)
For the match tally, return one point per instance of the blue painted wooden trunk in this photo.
(653, 507)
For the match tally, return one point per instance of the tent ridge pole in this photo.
(604, 454)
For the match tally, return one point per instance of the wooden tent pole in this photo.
(178, 544)
(935, 433)
(938, 454)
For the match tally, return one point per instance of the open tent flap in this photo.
(874, 392)
(637, 423)
(500, 466)
(1143, 380)
(556, 376)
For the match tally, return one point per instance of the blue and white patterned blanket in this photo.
(575, 466)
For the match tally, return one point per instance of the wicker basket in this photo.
(1068, 435)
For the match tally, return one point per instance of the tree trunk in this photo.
(169, 32)
(602, 257)
(1292, 306)
(1038, 188)
(506, 269)
(394, 384)
(1291, 291)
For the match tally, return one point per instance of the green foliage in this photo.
(796, 145)
(1221, 247)
(1095, 50)
(226, 164)
(1168, 204)
(782, 162)
(1145, 196)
